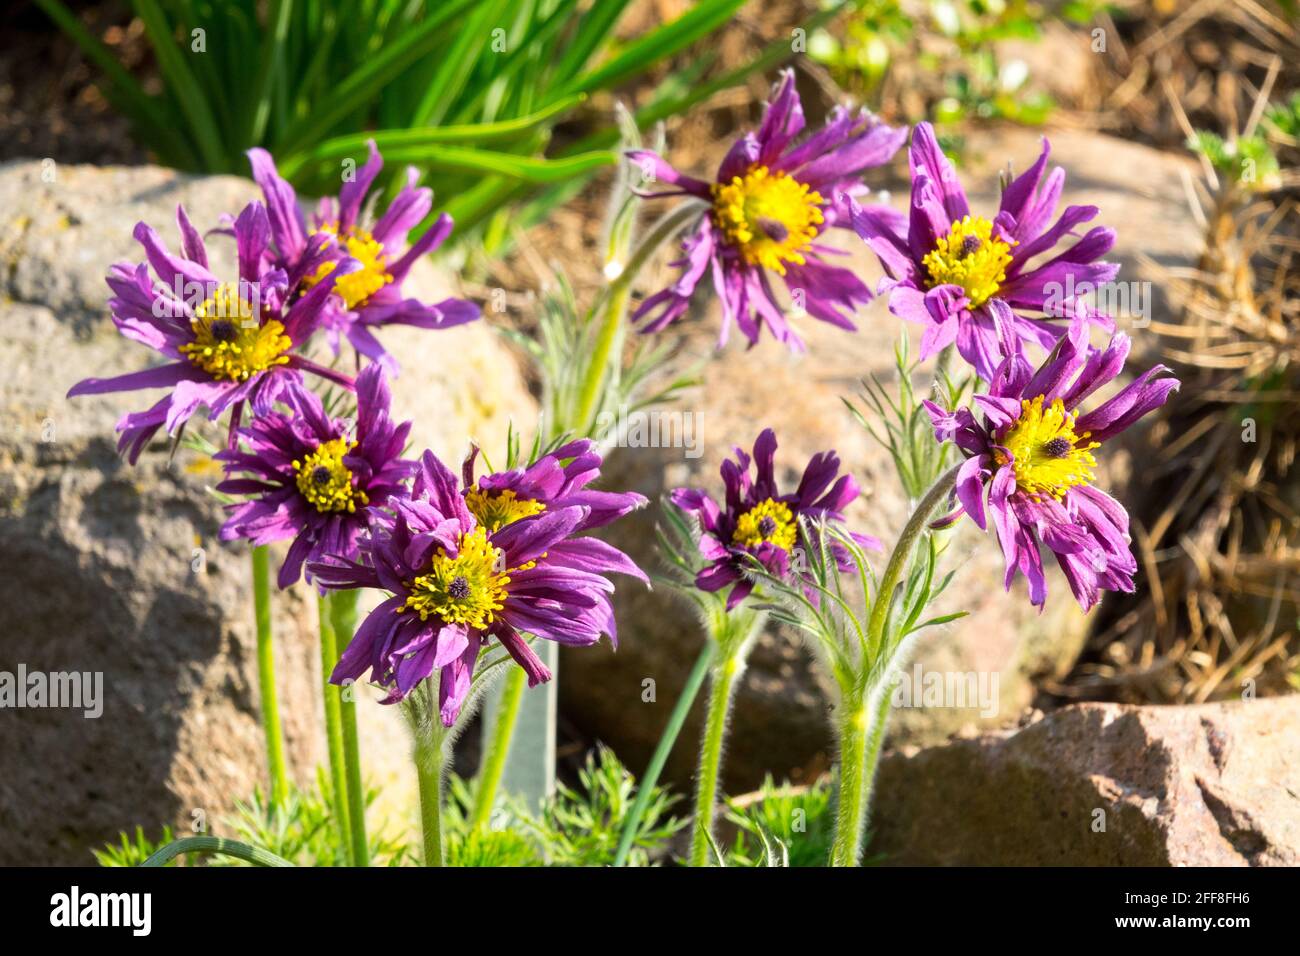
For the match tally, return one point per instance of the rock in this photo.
(99, 558)
(1205, 785)
(780, 722)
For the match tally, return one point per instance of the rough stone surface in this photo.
(1206, 785)
(97, 558)
(780, 719)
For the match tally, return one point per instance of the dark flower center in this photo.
(767, 526)
(970, 245)
(223, 330)
(458, 588)
(773, 228)
(1058, 447)
(321, 475)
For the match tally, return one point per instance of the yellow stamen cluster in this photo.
(769, 217)
(356, 287)
(229, 343)
(972, 257)
(325, 481)
(770, 521)
(468, 589)
(1049, 457)
(496, 509)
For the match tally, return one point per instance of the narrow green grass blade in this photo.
(271, 54)
(124, 92)
(182, 84)
(457, 65)
(393, 139)
(699, 21)
(481, 161)
(364, 84)
(594, 29)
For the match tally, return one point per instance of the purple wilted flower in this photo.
(758, 521)
(1033, 451)
(969, 279)
(457, 583)
(556, 480)
(230, 343)
(313, 476)
(771, 201)
(371, 296)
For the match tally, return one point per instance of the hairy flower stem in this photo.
(494, 761)
(733, 634)
(266, 677)
(343, 616)
(646, 785)
(329, 656)
(615, 309)
(722, 681)
(862, 725)
(429, 757)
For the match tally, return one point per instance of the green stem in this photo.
(902, 554)
(850, 811)
(494, 764)
(722, 681)
(428, 771)
(615, 307)
(266, 677)
(331, 694)
(860, 736)
(645, 788)
(218, 845)
(343, 615)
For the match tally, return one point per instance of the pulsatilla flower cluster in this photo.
(1030, 452)
(970, 280)
(773, 198)
(230, 343)
(468, 566)
(312, 477)
(370, 295)
(757, 521)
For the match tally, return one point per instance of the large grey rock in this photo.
(97, 558)
(1102, 785)
(781, 711)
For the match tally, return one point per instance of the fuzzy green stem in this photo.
(722, 680)
(215, 845)
(331, 694)
(494, 762)
(861, 736)
(343, 616)
(615, 307)
(428, 771)
(902, 554)
(266, 677)
(646, 786)
(850, 810)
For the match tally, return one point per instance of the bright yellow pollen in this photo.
(496, 509)
(325, 481)
(770, 521)
(229, 343)
(468, 589)
(1049, 457)
(971, 257)
(356, 287)
(770, 217)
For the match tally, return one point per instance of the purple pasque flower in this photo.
(314, 477)
(772, 199)
(230, 343)
(968, 279)
(457, 584)
(1031, 452)
(371, 296)
(757, 521)
(558, 479)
